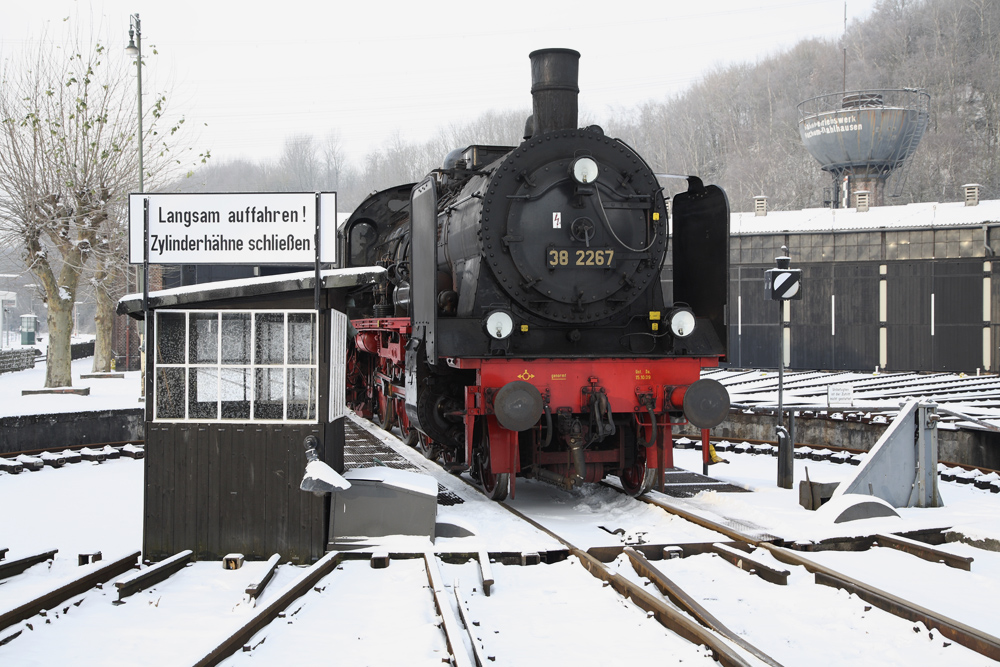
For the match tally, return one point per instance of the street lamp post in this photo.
(134, 49)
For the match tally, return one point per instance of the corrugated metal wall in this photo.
(958, 315)
(908, 315)
(753, 322)
(835, 326)
(809, 319)
(855, 305)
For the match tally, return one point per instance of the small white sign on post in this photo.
(234, 228)
(840, 395)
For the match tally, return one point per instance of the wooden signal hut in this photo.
(242, 372)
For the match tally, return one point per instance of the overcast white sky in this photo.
(258, 72)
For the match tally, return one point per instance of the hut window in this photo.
(236, 365)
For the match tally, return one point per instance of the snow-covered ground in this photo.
(545, 614)
(105, 393)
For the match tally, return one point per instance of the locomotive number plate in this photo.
(595, 257)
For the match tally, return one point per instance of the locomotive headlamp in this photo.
(499, 324)
(584, 170)
(681, 322)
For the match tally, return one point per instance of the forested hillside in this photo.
(738, 126)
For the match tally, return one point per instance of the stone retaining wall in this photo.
(30, 432)
(17, 360)
(965, 446)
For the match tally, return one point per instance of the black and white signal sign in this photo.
(783, 284)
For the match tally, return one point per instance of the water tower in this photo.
(864, 137)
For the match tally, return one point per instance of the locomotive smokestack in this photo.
(554, 89)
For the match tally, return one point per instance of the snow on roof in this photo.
(908, 216)
(131, 304)
(406, 480)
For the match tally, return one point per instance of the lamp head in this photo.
(132, 50)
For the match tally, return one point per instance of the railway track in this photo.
(810, 557)
(460, 609)
(480, 606)
(464, 607)
(439, 603)
(762, 555)
(751, 549)
(10, 464)
(115, 613)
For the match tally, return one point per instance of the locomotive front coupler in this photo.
(555, 479)
(570, 431)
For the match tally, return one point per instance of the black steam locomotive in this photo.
(522, 328)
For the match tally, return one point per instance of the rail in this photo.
(57, 596)
(667, 616)
(976, 640)
(970, 637)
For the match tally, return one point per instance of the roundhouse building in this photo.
(896, 287)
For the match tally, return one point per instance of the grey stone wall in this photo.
(968, 447)
(17, 360)
(31, 432)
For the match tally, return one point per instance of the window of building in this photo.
(236, 365)
(811, 247)
(910, 244)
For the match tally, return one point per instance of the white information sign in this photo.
(840, 394)
(234, 228)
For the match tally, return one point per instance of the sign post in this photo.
(147, 377)
(782, 284)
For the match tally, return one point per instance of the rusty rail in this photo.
(73, 588)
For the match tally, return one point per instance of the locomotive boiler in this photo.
(523, 327)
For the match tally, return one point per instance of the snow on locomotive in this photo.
(522, 328)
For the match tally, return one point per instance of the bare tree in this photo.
(334, 161)
(68, 127)
(299, 165)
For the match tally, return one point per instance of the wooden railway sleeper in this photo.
(153, 575)
(744, 562)
(486, 572)
(255, 588)
(921, 550)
